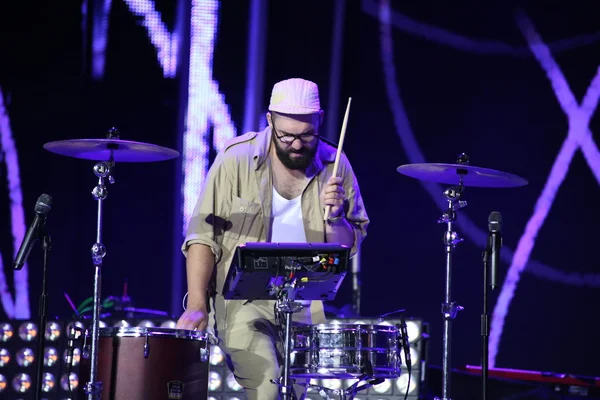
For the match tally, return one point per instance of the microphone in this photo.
(42, 208)
(494, 243)
(404, 340)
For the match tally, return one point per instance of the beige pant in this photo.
(248, 334)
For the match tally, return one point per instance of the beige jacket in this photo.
(234, 206)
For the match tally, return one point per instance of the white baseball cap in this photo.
(295, 96)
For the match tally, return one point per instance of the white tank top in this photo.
(288, 226)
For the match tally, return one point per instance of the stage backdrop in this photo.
(515, 91)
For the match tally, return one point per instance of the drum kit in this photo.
(366, 352)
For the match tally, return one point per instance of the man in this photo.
(270, 186)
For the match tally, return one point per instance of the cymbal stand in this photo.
(449, 307)
(103, 170)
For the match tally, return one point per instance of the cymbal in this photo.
(452, 174)
(104, 149)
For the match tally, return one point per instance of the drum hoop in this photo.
(139, 331)
(347, 327)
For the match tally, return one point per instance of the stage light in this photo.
(402, 382)
(215, 381)
(22, 382)
(4, 357)
(78, 326)
(48, 382)
(28, 331)
(413, 331)
(146, 324)
(50, 356)
(6, 332)
(217, 356)
(231, 383)
(18, 358)
(73, 381)
(384, 387)
(53, 331)
(331, 383)
(25, 357)
(75, 358)
(17, 362)
(169, 324)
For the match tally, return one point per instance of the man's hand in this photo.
(193, 318)
(334, 195)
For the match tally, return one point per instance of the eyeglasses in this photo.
(290, 138)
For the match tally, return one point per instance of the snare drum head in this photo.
(338, 327)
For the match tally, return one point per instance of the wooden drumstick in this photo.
(339, 151)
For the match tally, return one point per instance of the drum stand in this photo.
(346, 394)
(449, 307)
(103, 170)
(286, 304)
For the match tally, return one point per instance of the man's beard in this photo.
(296, 163)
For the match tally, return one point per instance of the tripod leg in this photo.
(287, 389)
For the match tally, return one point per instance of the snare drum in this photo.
(149, 363)
(345, 351)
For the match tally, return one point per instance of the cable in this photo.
(406, 348)
(183, 301)
(324, 278)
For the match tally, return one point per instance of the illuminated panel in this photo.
(206, 106)
(415, 155)
(165, 42)
(460, 42)
(19, 307)
(100, 35)
(579, 136)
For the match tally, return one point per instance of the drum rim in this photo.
(303, 372)
(141, 331)
(347, 326)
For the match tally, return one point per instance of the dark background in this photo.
(498, 108)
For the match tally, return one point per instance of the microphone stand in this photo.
(356, 284)
(43, 306)
(485, 327)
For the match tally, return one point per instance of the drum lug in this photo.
(204, 353)
(93, 389)
(85, 347)
(85, 351)
(147, 347)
